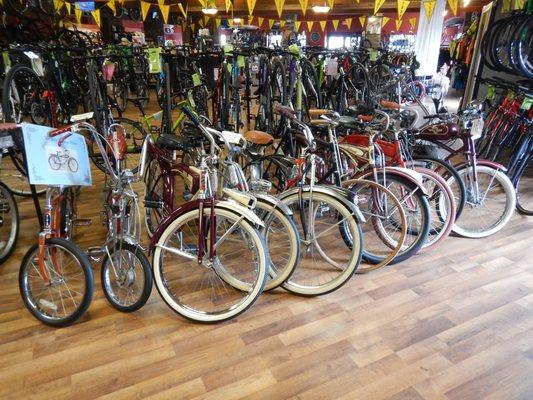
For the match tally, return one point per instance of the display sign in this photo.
(85, 5)
(56, 161)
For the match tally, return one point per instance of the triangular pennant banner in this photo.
(206, 19)
(201, 22)
(335, 23)
(160, 3)
(310, 25)
(323, 25)
(402, 7)
(412, 22)
(279, 6)
(250, 19)
(398, 24)
(192, 28)
(331, 3)
(58, 5)
(260, 21)
(377, 5)
(111, 5)
(349, 22)
(251, 6)
(203, 3)
(145, 7)
(96, 16)
(362, 20)
(228, 5)
(183, 11)
(356, 1)
(217, 22)
(303, 5)
(384, 21)
(429, 6)
(271, 23)
(67, 4)
(453, 6)
(297, 24)
(77, 13)
(282, 23)
(165, 10)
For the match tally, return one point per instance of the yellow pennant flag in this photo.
(206, 19)
(145, 7)
(251, 6)
(67, 4)
(384, 21)
(203, 3)
(402, 7)
(331, 3)
(362, 20)
(453, 6)
(111, 5)
(429, 6)
(356, 1)
(217, 22)
(160, 3)
(201, 22)
(398, 24)
(228, 5)
(260, 21)
(58, 5)
(183, 11)
(250, 19)
(282, 23)
(297, 24)
(303, 5)
(377, 5)
(412, 22)
(271, 23)
(279, 6)
(349, 22)
(165, 10)
(323, 25)
(77, 13)
(310, 25)
(335, 23)
(192, 28)
(96, 16)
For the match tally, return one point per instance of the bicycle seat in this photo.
(349, 122)
(315, 113)
(173, 142)
(390, 105)
(259, 138)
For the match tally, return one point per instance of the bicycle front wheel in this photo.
(213, 286)
(490, 202)
(326, 261)
(64, 297)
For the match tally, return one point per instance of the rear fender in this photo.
(485, 163)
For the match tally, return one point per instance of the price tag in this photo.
(228, 48)
(373, 54)
(229, 67)
(196, 81)
(154, 60)
(526, 103)
(491, 92)
(231, 137)
(240, 61)
(36, 63)
(477, 128)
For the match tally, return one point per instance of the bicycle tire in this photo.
(86, 270)
(8, 205)
(130, 278)
(521, 206)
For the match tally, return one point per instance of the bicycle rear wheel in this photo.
(126, 277)
(68, 294)
(210, 289)
(9, 223)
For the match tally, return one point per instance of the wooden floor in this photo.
(453, 324)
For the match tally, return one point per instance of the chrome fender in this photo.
(236, 208)
(343, 195)
(272, 203)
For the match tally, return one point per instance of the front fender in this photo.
(485, 163)
(232, 206)
(406, 173)
(345, 196)
(273, 202)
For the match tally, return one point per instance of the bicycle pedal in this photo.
(82, 222)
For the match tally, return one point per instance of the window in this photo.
(335, 42)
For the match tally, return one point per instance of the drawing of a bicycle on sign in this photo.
(62, 159)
